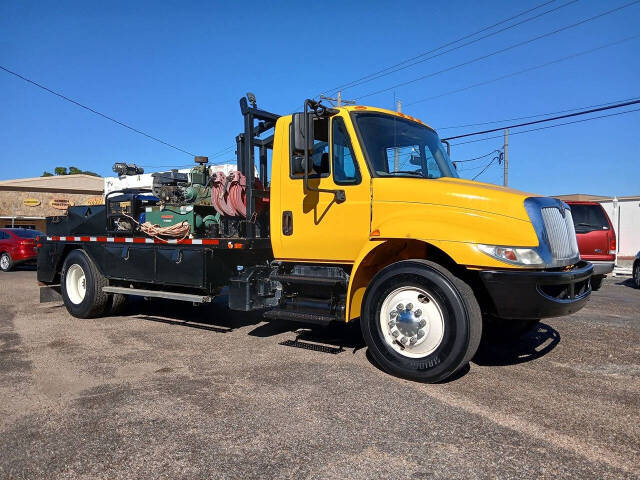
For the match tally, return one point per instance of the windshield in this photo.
(587, 218)
(26, 233)
(396, 147)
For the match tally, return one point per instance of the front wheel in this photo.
(420, 321)
(636, 274)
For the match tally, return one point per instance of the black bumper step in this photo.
(304, 317)
(312, 346)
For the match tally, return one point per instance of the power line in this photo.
(502, 50)
(549, 126)
(498, 158)
(476, 158)
(559, 117)
(401, 65)
(534, 116)
(122, 124)
(526, 70)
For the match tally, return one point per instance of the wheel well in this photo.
(385, 254)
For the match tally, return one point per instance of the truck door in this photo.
(313, 227)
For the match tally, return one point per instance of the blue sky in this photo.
(177, 69)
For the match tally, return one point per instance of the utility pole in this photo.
(396, 153)
(338, 100)
(506, 157)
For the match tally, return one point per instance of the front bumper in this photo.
(602, 268)
(523, 295)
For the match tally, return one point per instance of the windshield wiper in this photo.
(411, 172)
(589, 225)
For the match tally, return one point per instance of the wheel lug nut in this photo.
(409, 306)
(422, 323)
(420, 334)
(392, 323)
(400, 307)
(393, 314)
(413, 340)
(403, 340)
(418, 312)
(395, 333)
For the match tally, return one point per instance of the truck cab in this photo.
(367, 220)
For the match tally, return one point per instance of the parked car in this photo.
(636, 271)
(17, 245)
(596, 238)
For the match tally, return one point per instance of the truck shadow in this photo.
(627, 283)
(214, 317)
(496, 351)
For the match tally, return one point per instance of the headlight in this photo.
(513, 255)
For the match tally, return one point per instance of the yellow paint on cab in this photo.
(410, 214)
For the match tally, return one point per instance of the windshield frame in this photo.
(452, 173)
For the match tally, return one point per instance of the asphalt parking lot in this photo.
(175, 391)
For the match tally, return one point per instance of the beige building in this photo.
(26, 202)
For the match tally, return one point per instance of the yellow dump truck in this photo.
(358, 214)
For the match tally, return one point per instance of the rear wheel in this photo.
(81, 285)
(636, 274)
(420, 321)
(596, 282)
(6, 264)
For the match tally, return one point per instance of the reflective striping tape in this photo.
(145, 240)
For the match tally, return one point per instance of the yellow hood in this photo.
(453, 192)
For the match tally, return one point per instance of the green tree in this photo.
(74, 171)
(46, 174)
(60, 170)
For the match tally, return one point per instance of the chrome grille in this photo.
(560, 233)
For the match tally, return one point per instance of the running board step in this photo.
(308, 279)
(184, 297)
(300, 316)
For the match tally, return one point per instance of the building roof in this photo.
(582, 197)
(80, 183)
(585, 197)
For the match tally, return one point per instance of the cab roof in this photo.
(364, 108)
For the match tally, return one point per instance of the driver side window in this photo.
(345, 167)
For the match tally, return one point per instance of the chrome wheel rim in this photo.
(76, 284)
(411, 322)
(4, 261)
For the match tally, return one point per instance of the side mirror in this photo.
(298, 164)
(300, 141)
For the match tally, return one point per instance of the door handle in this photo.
(287, 223)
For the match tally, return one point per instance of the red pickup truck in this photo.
(596, 238)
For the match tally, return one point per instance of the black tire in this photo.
(460, 311)
(6, 262)
(636, 274)
(596, 282)
(117, 304)
(95, 300)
